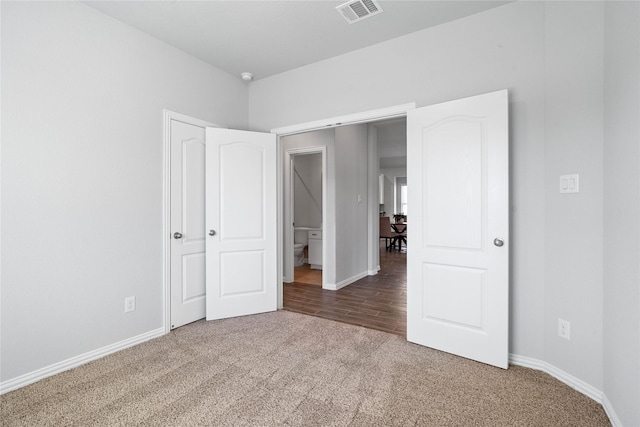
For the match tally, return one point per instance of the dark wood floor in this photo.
(376, 302)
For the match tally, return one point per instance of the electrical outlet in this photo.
(129, 304)
(564, 329)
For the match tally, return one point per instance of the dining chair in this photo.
(386, 232)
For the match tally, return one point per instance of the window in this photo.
(403, 199)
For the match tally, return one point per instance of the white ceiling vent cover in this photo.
(354, 11)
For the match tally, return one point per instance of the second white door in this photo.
(458, 246)
(241, 222)
(187, 141)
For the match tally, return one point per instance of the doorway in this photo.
(306, 202)
(376, 298)
(457, 281)
(304, 248)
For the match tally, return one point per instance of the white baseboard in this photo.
(350, 280)
(608, 408)
(73, 362)
(573, 382)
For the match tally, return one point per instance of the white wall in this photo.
(497, 49)
(573, 144)
(621, 288)
(82, 158)
(308, 191)
(351, 202)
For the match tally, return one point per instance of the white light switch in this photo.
(570, 183)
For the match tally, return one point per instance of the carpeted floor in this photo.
(285, 368)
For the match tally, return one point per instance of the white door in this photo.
(187, 222)
(458, 243)
(241, 219)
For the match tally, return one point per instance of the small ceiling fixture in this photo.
(357, 10)
(247, 77)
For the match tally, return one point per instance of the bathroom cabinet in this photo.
(315, 249)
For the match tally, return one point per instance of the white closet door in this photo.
(458, 243)
(241, 223)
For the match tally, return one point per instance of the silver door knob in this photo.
(498, 242)
(177, 235)
(212, 232)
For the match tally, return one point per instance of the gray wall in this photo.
(573, 222)
(622, 209)
(307, 183)
(351, 213)
(551, 57)
(82, 158)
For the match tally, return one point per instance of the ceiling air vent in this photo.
(354, 11)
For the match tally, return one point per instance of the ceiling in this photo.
(270, 37)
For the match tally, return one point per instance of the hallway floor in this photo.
(375, 302)
(307, 275)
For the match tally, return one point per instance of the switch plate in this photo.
(129, 304)
(570, 183)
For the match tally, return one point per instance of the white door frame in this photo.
(169, 115)
(351, 119)
(288, 231)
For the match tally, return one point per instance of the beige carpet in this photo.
(285, 368)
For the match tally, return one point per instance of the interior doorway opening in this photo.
(377, 297)
(307, 202)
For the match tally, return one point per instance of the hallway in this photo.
(375, 302)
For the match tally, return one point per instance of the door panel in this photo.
(457, 279)
(236, 279)
(188, 219)
(453, 295)
(241, 211)
(193, 188)
(453, 154)
(193, 274)
(241, 218)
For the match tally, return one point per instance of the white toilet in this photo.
(300, 241)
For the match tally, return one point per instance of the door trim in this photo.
(361, 117)
(287, 249)
(169, 115)
(349, 119)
